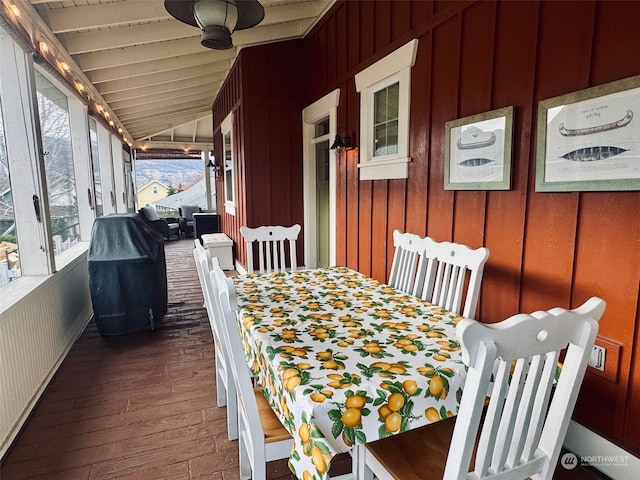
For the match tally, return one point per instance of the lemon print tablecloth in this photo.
(345, 359)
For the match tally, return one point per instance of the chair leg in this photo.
(232, 420)
(362, 471)
(245, 463)
(221, 392)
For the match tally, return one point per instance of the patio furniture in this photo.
(270, 242)
(204, 223)
(450, 269)
(220, 246)
(186, 218)
(528, 412)
(167, 227)
(345, 359)
(225, 387)
(408, 267)
(261, 437)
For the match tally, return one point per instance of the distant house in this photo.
(151, 193)
(195, 195)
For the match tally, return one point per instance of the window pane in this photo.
(321, 128)
(95, 161)
(58, 159)
(380, 106)
(393, 101)
(9, 254)
(380, 139)
(385, 127)
(322, 204)
(392, 137)
(228, 178)
(228, 168)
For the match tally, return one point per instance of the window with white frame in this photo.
(95, 165)
(9, 252)
(384, 89)
(53, 109)
(226, 128)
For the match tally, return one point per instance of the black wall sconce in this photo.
(217, 169)
(342, 142)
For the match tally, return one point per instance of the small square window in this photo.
(384, 121)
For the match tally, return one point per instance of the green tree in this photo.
(173, 190)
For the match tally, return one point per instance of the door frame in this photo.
(326, 107)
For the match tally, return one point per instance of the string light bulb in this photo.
(15, 11)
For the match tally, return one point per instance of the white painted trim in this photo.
(324, 107)
(78, 119)
(226, 126)
(106, 170)
(396, 168)
(395, 67)
(600, 453)
(403, 57)
(240, 269)
(26, 163)
(117, 154)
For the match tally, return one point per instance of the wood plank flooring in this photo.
(142, 406)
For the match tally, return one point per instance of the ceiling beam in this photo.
(167, 97)
(157, 122)
(101, 15)
(162, 124)
(193, 103)
(109, 89)
(143, 53)
(174, 85)
(126, 36)
(193, 60)
(152, 144)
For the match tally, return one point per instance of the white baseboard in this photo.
(240, 269)
(593, 450)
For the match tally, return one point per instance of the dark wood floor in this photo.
(141, 406)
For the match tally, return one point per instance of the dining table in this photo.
(344, 359)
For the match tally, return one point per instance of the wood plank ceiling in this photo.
(149, 69)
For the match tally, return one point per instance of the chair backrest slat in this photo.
(271, 242)
(449, 269)
(407, 267)
(444, 273)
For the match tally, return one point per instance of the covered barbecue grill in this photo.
(127, 274)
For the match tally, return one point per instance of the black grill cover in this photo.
(127, 274)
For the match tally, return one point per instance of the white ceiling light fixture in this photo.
(217, 19)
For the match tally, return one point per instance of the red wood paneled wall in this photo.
(547, 249)
(264, 90)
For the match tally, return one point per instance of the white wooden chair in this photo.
(262, 438)
(528, 412)
(273, 252)
(408, 266)
(199, 248)
(225, 387)
(448, 269)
